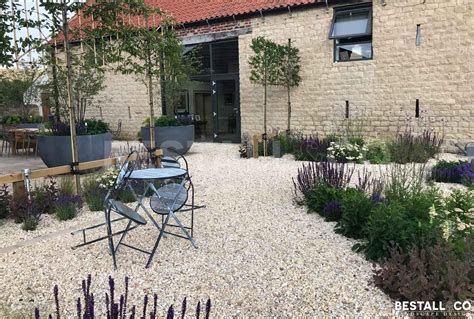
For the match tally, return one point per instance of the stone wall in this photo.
(125, 99)
(382, 92)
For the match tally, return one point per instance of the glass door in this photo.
(226, 110)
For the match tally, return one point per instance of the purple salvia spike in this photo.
(155, 304)
(107, 305)
(50, 317)
(79, 308)
(183, 308)
(198, 310)
(84, 289)
(56, 300)
(132, 315)
(92, 305)
(170, 314)
(89, 282)
(208, 308)
(121, 307)
(37, 313)
(115, 312)
(145, 303)
(126, 296)
(112, 289)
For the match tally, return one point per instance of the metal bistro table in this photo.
(149, 176)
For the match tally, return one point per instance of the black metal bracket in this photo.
(75, 168)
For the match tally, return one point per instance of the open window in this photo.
(351, 30)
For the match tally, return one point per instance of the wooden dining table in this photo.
(23, 138)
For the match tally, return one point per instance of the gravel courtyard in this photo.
(259, 255)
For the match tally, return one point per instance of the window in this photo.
(351, 31)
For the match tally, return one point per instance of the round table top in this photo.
(157, 173)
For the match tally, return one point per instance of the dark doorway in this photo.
(214, 93)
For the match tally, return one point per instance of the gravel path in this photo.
(259, 255)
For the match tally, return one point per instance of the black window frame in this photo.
(356, 38)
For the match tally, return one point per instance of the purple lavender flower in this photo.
(333, 210)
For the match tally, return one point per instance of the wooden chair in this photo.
(20, 141)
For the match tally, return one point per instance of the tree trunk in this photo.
(152, 113)
(265, 111)
(288, 85)
(55, 85)
(72, 116)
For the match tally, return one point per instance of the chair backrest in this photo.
(174, 160)
(121, 181)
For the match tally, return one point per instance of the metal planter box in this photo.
(56, 150)
(180, 138)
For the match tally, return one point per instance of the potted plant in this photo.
(94, 141)
(170, 133)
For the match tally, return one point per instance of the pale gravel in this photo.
(259, 255)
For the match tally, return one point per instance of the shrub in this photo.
(332, 174)
(66, 206)
(312, 149)
(333, 210)
(321, 195)
(367, 183)
(377, 154)
(409, 147)
(93, 194)
(402, 181)
(163, 121)
(66, 186)
(19, 206)
(356, 209)
(346, 152)
(5, 199)
(389, 225)
(447, 172)
(95, 126)
(456, 218)
(126, 196)
(45, 196)
(467, 173)
(116, 305)
(426, 273)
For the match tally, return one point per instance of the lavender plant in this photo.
(409, 147)
(369, 184)
(117, 307)
(67, 206)
(337, 175)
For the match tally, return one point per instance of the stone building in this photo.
(372, 66)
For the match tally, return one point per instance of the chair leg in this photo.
(184, 230)
(109, 234)
(123, 235)
(157, 241)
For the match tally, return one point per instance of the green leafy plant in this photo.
(93, 194)
(322, 194)
(95, 126)
(356, 209)
(67, 206)
(164, 121)
(66, 185)
(409, 147)
(402, 181)
(5, 199)
(377, 154)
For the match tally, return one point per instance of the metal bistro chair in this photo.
(112, 205)
(173, 197)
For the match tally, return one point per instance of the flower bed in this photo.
(423, 241)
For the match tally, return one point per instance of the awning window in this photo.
(351, 23)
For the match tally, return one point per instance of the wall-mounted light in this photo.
(347, 109)
(418, 35)
(417, 108)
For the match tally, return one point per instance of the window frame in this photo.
(352, 9)
(361, 41)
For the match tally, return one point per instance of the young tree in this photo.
(142, 41)
(290, 73)
(266, 70)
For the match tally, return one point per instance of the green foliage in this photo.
(266, 62)
(126, 196)
(163, 121)
(29, 223)
(5, 199)
(409, 147)
(93, 194)
(17, 92)
(66, 212)
(95, 126)
(12, 119)
(427, 273)
(321, 195)
(402, 181)
(356, 209)
(377, 154)
(66, 185)
(457, 219)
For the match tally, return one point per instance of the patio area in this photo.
(259, 254)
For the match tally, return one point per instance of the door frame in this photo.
(215, 123)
